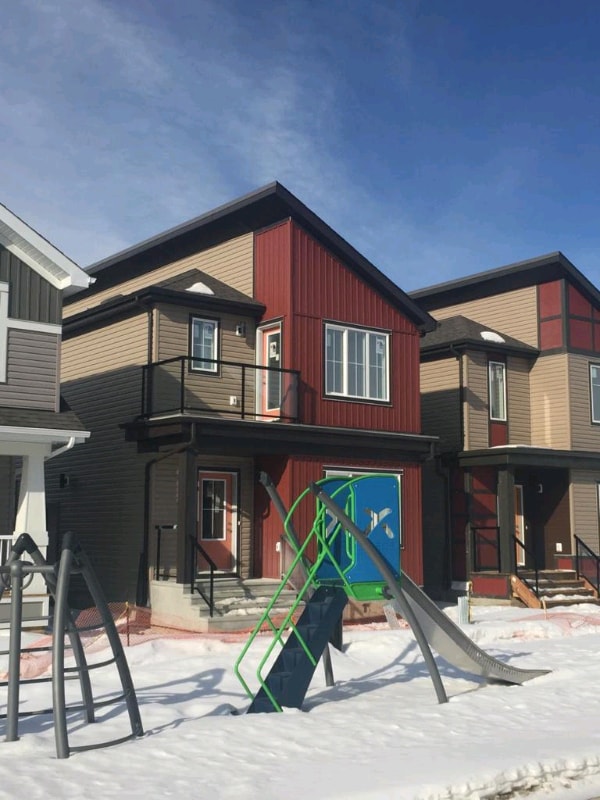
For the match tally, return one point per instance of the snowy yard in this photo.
(378, 733)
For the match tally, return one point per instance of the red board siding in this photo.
(324, 289)
(550, 299)
(498, 433)
(268, 525)
(272, 278)
(490, 586)
(578, 305)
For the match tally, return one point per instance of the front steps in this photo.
(238, 604)
(557, 587)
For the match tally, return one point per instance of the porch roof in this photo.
(251, 437)
(529, 456)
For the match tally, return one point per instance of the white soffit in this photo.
(39, 254)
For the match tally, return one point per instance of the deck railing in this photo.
(587, 564)
(219, 388)
(485, 548)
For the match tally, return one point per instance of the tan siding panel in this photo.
(230, 262)
(513, 313)
(519, 411)
(440, 401)
(476, 401)
(550, 403)
(32, 371)
(584, 507)
(584, 434)
(103, 349)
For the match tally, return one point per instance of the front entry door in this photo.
(270, 379)
(519, 525)
(217, 519)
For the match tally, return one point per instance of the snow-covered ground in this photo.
(378, 733)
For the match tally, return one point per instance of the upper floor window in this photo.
(204, 344)
(356, 363)
(595, 391)
(497, 390)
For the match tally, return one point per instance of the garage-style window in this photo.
(204, 346)
(356, 363)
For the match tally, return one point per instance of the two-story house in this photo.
(251, 339)
(511, 384)
(34, 426)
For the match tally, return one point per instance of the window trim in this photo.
(345, 395)
(494, 362)
(594, 413)
(213, 366)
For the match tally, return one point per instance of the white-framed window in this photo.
(204, 344)
(595, 392)
(356, 363)
(497, 390)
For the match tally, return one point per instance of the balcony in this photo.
(215, 388)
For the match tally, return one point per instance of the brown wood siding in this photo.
(550, 414)
(584, 507)
(30, 296)
(476, 415)
(440, 402)
(104, 502)
(584, 434)
(211, 392)
(513, 313)
(518, 400)
(230, 262)
(324, 289)
(32, 370)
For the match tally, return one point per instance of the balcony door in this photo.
(269, 380)
(217, 519)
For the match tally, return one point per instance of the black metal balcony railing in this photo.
(587, 563)
(219, 388)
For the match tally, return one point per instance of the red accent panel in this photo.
(551, 334)
(272, 278)
(267, 522)
(324, 289)
(490, 586)
(597, 338)
(484, 479)
(498, 434)
(550, 299)
(580, 334)
(578, 305)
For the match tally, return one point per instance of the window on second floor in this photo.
(356, 363)
(595, 391)
(204, 344)
(497, 390)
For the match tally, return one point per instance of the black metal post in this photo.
(243, 393)
(182, 386)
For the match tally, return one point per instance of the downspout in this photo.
(458, 354)
(142, 582)
(60, 450)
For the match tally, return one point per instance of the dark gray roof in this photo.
(220, 290)
(530, 272)
(463, 332)
(258, 209)
(39, 418)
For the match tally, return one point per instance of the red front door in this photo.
(217, 519)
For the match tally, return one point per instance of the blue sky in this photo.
(440, 138)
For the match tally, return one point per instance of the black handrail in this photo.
(534, 566)
(159, 530)
(179, 404)
(476, 536)
(587, 553)
(194, 548)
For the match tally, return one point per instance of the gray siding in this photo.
(7, 499)
(32, 371)
(584, 507)
(476, 401)
(519, 410)
(30, 296)
(440, 402)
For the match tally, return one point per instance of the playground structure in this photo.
(73, 561)
(356, 534)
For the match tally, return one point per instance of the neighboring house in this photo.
(34, 426)
(252, 338)
(510, 382)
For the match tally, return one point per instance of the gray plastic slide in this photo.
(431, 627)
(454, 645)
